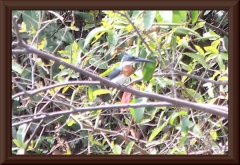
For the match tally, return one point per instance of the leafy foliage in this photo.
(93, 40)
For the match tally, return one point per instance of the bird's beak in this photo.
(138, 59)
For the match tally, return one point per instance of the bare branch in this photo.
(33, 92)
(220, 112)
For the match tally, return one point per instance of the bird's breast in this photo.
(127, 70)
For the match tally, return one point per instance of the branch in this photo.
(201, 79)
(221, 112)
(75, 110)
(176, 102)
(33, 92)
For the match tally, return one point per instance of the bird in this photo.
(121, 73)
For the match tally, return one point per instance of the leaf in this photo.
(95, 61)
(166, 15)
(198, 57)
(211, 49)
(135, 14)
(184, 125)
(176, 17)
(194, 14)
(137, 113)
(109, 70)
(70, 122)
(94, 33)
(148, 69)
(16, 67)
(220, 62)
(213, 134)
(158, 129)
(148, 18)
(90, 94)
(23, 28)
(86, 16)
(159, 18)
(199, 49)
(175, 115)
(129, 148)
(211, 35)
(182, 140)
(197, 131)
(183, 14)
(196, 96)
(21, 135)
(112, 39)
(72, 27)
(181, 30)
(100, 92)
(198, 25)
(65, 35)
(116, 148)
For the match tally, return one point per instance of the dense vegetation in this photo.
(183, 112)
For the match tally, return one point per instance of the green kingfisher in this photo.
(121, 73)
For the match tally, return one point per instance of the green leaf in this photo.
(138, 113)
(199, 49)
(159, 18)
(181, 30)
(176, 17)
(166, 15)
(94, 33)
(95, 61)
(220, 62)
(198, 25)
(184, 125)
(213, 134)
(224, 56)
(16, 67)
(182, 141)
(198, 57)
(112, 39)
(148, 18)
(149, 69)
(109, 70)
(100, 92)
(211, 35)
(194, 14)
(196, 96)
(211, 49)
(65, 35)
(135, 14)
(70, 122)
(156, 131)
(175, 115)
(129, 148)
(116, 148)
(21, 135)
(197, 131)
(90, 94)
(86, 16)
(183, 14)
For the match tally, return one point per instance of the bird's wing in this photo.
(115, 73)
